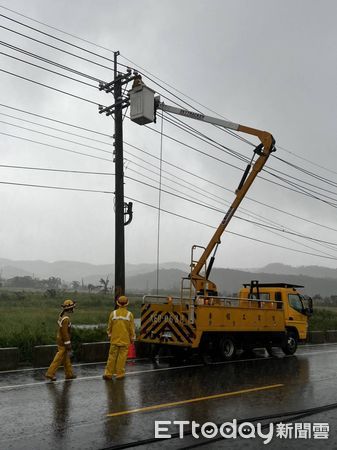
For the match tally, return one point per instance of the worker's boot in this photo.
(50, 377)
(106, 378)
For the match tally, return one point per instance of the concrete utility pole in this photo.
(123, 211)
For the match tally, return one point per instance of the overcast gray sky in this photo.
(267, 64)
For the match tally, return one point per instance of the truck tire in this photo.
(290, 346)
(227, 348)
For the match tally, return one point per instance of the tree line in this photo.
(55, 284)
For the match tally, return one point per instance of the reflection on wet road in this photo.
(89, 413)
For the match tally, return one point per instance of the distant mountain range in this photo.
(74, 270)
(143, 277)
(310, 271)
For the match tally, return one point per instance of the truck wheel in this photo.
(227, 348)
(290, 347)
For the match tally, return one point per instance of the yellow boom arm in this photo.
(143, 110)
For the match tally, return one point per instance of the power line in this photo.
(55, 137)
(56, 121)
(168, 212)
(86, 172)
(198, 203)
(299, 189)
(56, 187)
(208, 206)
(56, 38)
(306, 159)
(49, 61)
(49, 70)
(166, 162)
(59, 30)
(286, 181)
(145, 70)
(56, 48)
(308, 172)
(50, 87)
(95, 54)
(54, 146)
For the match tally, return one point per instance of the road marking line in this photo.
(137, 372)
(30, 369)
(304, 347)
(194, 400)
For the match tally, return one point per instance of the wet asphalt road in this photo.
(35, 414)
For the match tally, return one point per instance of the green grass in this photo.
(29, 319)
(324, 318)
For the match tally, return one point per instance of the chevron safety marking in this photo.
(169, 327)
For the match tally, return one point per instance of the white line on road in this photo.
(136, 372)
(163, 369)
(31, 369)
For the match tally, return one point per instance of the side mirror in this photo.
(308, 310)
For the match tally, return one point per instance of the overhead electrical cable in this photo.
(95, 54)
(198, 176)
(218, 210)
(49, 70)
(308, 172)
(208, 206)
(56, 137)
(49, 61)
(163, 210)
(57, 39)
(56, 48)
(231, 152)
(55, 146)
(145, 70)
(47, 169)
(57, 121)
(59, 30)
(298, 189)
(50, 87)
(307, 160)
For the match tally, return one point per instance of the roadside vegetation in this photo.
(29, 318)
(323, 319)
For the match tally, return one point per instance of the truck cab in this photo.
(286, 297)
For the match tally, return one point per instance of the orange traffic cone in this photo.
(132, 351)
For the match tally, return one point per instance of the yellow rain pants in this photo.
(121, 331)
(61, 358)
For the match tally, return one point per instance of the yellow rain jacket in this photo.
(64, 332)
(121, 327)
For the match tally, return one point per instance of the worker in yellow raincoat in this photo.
(121, 331)
(62, 356)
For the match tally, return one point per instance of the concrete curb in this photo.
(9, 358)
(94, 352)
(331, 336)
(316, 337)
(99, 351)
(43, 355)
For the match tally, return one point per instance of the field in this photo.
(324, 318)
(29, 318)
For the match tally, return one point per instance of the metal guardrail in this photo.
(227, 302)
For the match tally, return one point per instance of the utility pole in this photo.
(123, 211)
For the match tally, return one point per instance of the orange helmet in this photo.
(122, 301)
(68, 305)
